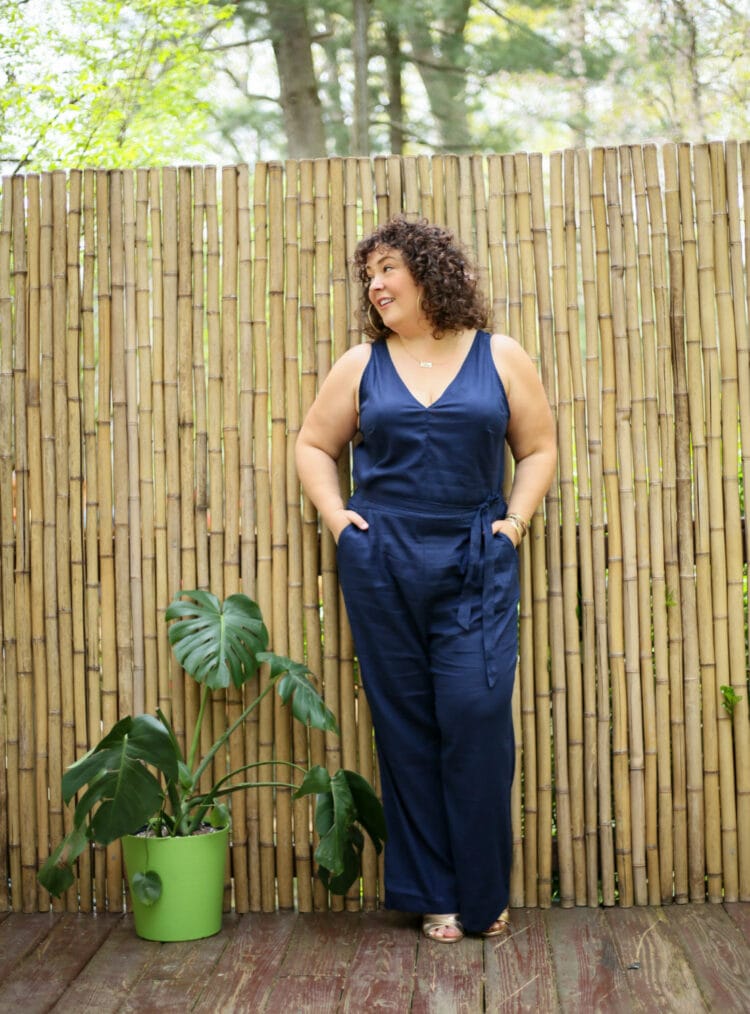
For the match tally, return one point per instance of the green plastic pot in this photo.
(192, 876)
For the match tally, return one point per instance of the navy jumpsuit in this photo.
(432, 598)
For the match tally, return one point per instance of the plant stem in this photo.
(197, 731)
(228, 732)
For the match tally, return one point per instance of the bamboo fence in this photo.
(162, 333)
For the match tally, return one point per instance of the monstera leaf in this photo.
(121, 794)
(344, 801)
(308, 706)
(216, 642)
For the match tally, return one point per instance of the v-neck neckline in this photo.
(447, 387)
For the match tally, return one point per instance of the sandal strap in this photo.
(433, 921)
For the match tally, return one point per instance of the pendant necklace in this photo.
(426, 364)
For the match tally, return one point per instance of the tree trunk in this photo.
(360, 133)
(394, 64)
(441, 62)
(300, 102)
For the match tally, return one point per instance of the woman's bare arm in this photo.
(328, 427)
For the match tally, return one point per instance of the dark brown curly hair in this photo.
(451, 299)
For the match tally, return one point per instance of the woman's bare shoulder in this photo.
(354, 360)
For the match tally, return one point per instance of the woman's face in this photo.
(393, 291)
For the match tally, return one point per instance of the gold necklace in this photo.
(426, 364)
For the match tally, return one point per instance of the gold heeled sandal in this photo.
(500, 926)
(432, 924)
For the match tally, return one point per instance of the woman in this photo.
(427, 561)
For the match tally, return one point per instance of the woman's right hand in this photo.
(342, 518)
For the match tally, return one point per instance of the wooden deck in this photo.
(687, 958)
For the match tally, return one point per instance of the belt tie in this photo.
(480, 576)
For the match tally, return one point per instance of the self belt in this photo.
(480, 572)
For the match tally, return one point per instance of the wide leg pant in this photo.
(443, 730)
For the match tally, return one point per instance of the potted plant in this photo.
(140, 788)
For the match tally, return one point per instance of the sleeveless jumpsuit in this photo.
(432, 598)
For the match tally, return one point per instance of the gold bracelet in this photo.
(519, 524)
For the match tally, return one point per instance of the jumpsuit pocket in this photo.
(502, 537)
(507, 578)
(342, 533)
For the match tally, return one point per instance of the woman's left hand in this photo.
(507, 528)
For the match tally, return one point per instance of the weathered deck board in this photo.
(658, 973)
(20, 936)
(381, 975)
(244, 975)
(449, 978)
(717, 953)
(588, 973)
(740, 916)
(35, 983)
(689, 958)
(108, 980)
(518, 968)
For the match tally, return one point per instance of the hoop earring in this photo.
(373, 325)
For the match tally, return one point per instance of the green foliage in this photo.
(217, 643)
(343, 799)
(729, 699)
(114, 83)
(136, 776)
(99, 83)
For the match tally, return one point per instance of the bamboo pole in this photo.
(533, 606)
(26, 622)
(372, 865)
(424, 168)
(171, 443)
(110, 715)
(311, 581)
(625, 468)
(143, 436)
(231, 493)
(200, 383)
(615, 576)
(346, 704)
(582, 543)
(49, 748)
(735, 749)
(326, 352)
(567, 580)
(120, 464)
(131, 412)
(267, 893)
(186, 416)
(214, 479)
(660, 517)
(89, 426)
(696, 682)
(246, 406)
(380, 182)
(498, 283)
(280, 548)
(73, 341)
(715, 719)
(642, 686)
(535, 273)
(159, 439)
(594, 456)
(741, 728)
(302, 814)
(683, 647)
(8, 748)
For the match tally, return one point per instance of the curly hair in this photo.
(451, 299)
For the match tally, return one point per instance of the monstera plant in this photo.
(137, 782)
